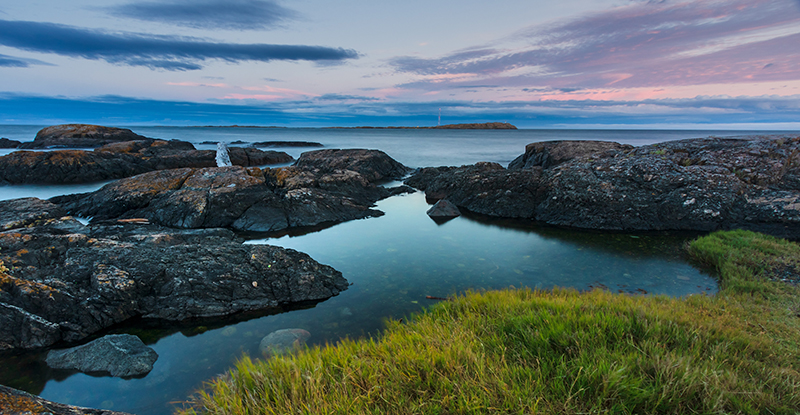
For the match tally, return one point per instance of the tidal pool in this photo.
(393, 263)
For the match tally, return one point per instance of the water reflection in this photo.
(393, 262)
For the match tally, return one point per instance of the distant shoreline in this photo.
(466, 126)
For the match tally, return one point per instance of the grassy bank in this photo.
(561, 351)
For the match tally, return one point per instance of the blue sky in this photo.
(566, 63)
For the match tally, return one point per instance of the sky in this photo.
(708, 64)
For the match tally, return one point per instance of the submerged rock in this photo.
(697, 184)
(319, 190)
(283, 341)
(67, 280)
(121, 355)
(13, 402)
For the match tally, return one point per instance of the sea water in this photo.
(393, 262)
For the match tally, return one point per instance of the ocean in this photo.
(393, 261)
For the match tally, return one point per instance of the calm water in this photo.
(393, 262)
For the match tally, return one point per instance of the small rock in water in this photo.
(345, 312)
(443, 209)
(223, 156)
(283, 341)
(229, 331)
(119, 354)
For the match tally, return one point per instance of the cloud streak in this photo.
(639, 45)
(172, 53)
(13, 62)
(209, 14)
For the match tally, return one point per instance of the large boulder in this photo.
(244, 199)
(121, 355)
(374, 165)
(120, 159)
(696, 184)
(67, 281)
(79, 136)
(548, 154)
(16, 402)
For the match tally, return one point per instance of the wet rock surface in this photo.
(697, 184)
(79, 136)
(16, 402)
(121, 355)
(333, 187)
(67, 281)
(120, 159)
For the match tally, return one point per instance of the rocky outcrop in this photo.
(19, 213)
(121, 355)
(548, 154)
(67, 281)
(268, 144)
(321, 189)
(373, 165)
(7, 143)
(80, 136)
(118, 160)
(696, 184)
(443, 209)
(16, 402)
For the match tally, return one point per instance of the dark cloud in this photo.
(157, 52)
(339, 97)
(209, 14)
(645, 44)
(13, 62)
(271, 80)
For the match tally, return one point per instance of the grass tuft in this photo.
(559, 351)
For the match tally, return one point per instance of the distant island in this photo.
(473, 126)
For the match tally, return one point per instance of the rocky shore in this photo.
(117, 153)
(162, 245)
(696, 184)
(67, 281)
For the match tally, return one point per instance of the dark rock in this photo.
(16, 402)
(552, 153)
(67, 281)
(374, 165)
(443, 209)
(122, 355)
(249, 156)
(244, 199)
(118, 160)
(287, 144)
(697, 184)
(80, 135)
(283, 341)
(485, 188)
(18, 213)
(6, 143)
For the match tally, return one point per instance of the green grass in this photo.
(560, 351)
